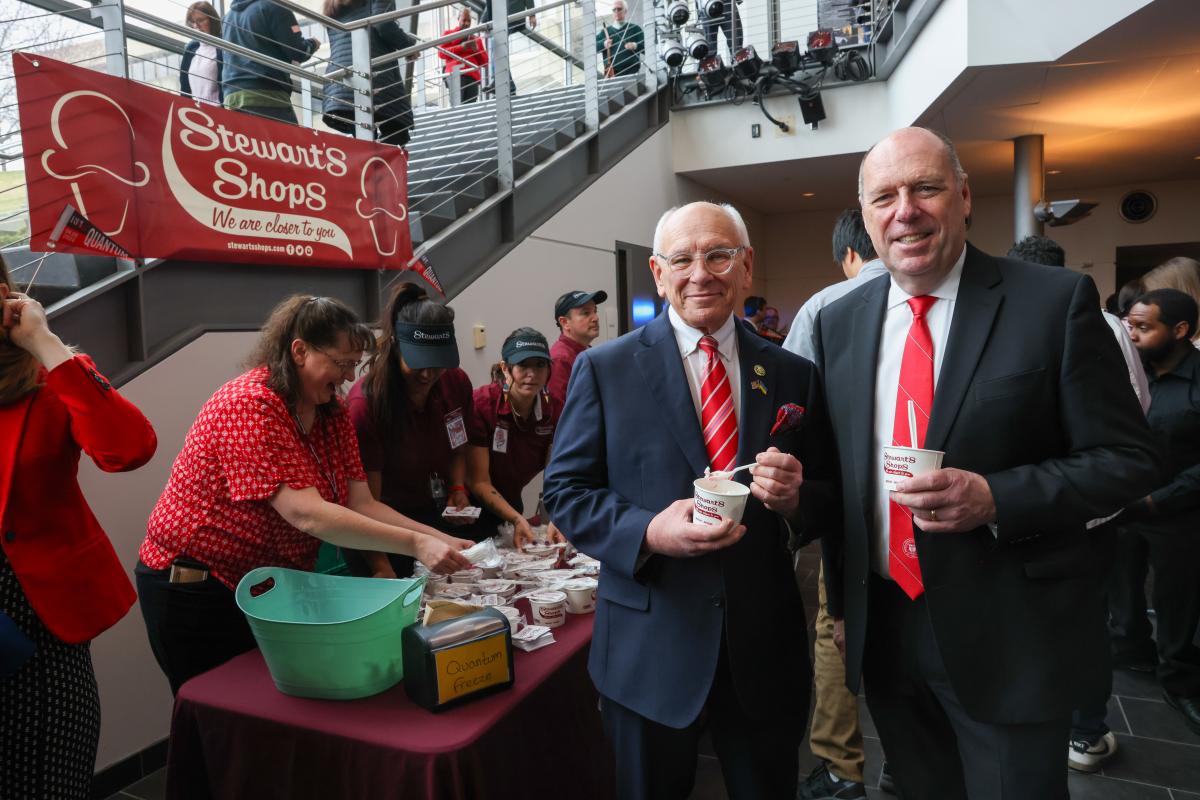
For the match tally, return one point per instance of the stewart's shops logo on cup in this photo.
(718, 499)
(902, 463)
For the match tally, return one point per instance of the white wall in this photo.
(1090, 244)
(574, 249)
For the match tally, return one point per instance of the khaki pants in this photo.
(835, 736)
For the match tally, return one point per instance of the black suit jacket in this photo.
(1034, 395)
(628, 445)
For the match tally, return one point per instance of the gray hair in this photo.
(960, 174)
(734, 216)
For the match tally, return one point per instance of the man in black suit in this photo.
(969, 595)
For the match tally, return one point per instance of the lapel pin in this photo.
(759, 385)
(759, 371)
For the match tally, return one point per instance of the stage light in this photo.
(713, 74)
(746, 63)
(678, 13)
(821, 45)
(714, 9)
(697, 46)
(786, 57)
(672, 52)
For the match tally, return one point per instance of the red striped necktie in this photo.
(716, 409)
(916, 384)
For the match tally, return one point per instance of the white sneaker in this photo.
(1085, 756)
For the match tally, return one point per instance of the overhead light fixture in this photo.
(785, 56)
(746, 63)
(714, 9)
(808, 194)
(1062, 212)
(1054, 172)
(821, 45)
(672, 52)
(713, 74)
(697, 46)
(678, 13)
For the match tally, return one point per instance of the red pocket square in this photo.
(788, 418)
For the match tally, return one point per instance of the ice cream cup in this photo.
(549, 608)
(581, 595)
(902, 463)
(718, 499)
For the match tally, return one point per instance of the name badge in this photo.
(456, 429)
(500, 439)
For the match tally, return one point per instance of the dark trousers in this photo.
(272, 112)
(468, 88)
(1089, 720)
(935, 750)
(1175, 558)
(192, 627)
(759, 757)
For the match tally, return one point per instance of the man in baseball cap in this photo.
(578, 325)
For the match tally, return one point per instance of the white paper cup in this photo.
(548, 608)
(581, 595)
(497, 586)
(717, 499)
(513, 615)
(473, 575)
(902, 463)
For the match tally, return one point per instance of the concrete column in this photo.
(1029, 184)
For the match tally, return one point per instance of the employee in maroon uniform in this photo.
(412, 410)
(578, 325)
(514, 426)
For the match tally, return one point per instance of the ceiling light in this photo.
(1054, 172)
(808, 194)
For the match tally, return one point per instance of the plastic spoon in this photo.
(912, 424)
(725, 476)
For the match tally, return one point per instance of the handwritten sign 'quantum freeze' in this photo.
(170, 177)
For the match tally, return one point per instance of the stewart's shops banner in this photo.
(165, 176)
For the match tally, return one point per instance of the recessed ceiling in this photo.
(1122, 108)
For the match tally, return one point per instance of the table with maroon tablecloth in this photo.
(234, 735)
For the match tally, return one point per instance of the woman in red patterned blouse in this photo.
(269, 469)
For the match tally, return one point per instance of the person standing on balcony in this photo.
(579, 324)
(200, 68)
(413, 411)
(514, 26)
(468, 55)
(393, 109)
(622, 43)
(61, 583)
(270, 29)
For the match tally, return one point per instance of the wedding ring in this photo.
(933, 515)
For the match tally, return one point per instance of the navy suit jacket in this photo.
(628, 445)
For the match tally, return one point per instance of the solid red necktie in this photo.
(916, 384)
(716, 409)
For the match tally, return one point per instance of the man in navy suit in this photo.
(696, 626)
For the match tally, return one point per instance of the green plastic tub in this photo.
(329, 636)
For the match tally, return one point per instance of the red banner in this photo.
(165, 176)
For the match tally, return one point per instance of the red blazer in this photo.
(62, 558)
(469, 48)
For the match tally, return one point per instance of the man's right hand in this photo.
(672, 532)
(839, 636)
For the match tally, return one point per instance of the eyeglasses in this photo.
(717, 261)
(345, 365)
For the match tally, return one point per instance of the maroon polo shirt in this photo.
(418, 443)
(562, 358)
(517, 455)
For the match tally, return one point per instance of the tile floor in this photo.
(1158, 759)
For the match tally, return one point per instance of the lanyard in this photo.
(331, 480)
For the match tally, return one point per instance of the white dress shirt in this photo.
(202, 74)
(688, 339)
(896, 322)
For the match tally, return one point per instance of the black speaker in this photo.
(812, 109)
(1138, 206)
